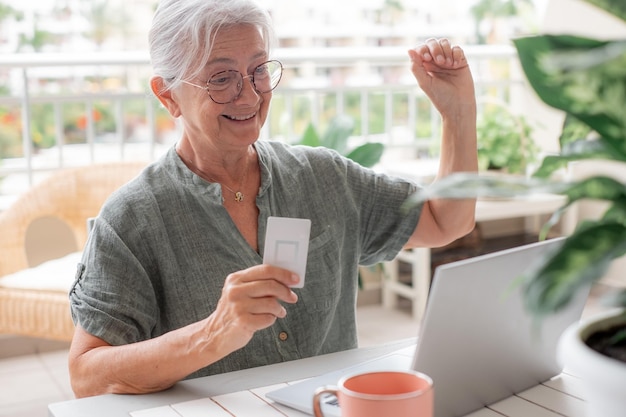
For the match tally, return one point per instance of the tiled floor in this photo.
(29, 382)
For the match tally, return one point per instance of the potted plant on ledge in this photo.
(586, 78)
(505, 142)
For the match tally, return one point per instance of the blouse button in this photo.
(283, 336)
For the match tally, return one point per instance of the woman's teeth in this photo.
(240, 118)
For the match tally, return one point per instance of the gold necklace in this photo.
(238, 194)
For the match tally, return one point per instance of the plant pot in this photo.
(603, 378)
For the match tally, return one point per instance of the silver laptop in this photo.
(477, 342)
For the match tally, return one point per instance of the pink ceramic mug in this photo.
(381, 393)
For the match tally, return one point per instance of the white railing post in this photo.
(27, 142)
(119, 125)
(91, 142)
(59, 137)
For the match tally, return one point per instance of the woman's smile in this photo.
(240, 118)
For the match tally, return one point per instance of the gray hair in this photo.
(183, 32)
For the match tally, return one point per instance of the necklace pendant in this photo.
(238, 196)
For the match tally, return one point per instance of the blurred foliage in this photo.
(337, 137)
(586, 79)
(74, 119)
(8, 12)
(484, 11)
(505, 141)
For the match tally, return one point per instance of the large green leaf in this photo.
(584, 77)
(583, 258)
(573, 131)
(595, 188)
(310, 137)
(615, 7)
(574, 151)
(616, 213)
(367, 154)
(470, 185)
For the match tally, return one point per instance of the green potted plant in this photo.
(336, 137)
(586, 78)
(505, 142)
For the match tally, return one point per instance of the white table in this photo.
(530, 208)
(242, 393)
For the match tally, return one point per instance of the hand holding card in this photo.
(287, 244)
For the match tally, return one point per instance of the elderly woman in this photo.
(172, 282)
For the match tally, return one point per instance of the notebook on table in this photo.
(477, 342)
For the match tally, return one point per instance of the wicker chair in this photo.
(59, 207)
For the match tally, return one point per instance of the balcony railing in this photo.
(374, 85)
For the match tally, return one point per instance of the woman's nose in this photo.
(247, 86)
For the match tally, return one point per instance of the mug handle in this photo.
(317, 399)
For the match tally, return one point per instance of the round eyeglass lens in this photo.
(226, 86)
(267, 75)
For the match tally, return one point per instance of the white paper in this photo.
(287, 244)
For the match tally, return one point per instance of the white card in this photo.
(287, 244)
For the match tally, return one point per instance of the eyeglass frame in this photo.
(243, 78)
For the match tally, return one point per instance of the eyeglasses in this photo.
(225, 86)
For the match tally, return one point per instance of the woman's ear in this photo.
(165, 96)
